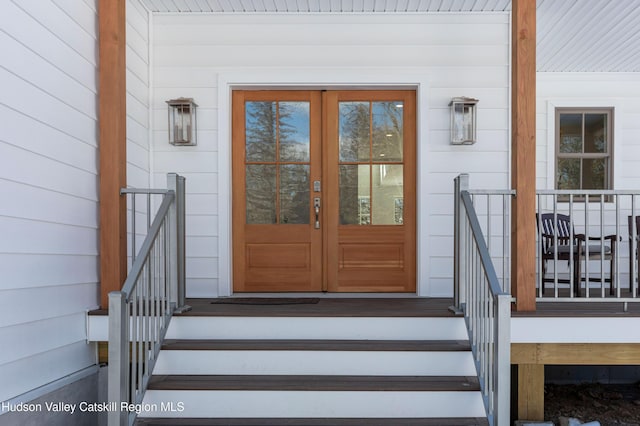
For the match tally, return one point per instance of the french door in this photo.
(323, 191)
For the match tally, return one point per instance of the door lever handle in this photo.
(316, 207)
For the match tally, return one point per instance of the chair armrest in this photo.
(613, 238)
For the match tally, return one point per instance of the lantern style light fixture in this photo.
(463, 120)
(182, 121)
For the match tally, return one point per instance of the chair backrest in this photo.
(630, 225)
(562, 230)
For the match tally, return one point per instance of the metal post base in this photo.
(182, 309)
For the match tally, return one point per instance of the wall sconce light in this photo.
(182, 121)
(463, 120)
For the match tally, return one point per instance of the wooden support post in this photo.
(112, 146)
(523, 174)
(531, 392)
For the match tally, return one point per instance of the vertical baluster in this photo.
(152, 308)
(634, 250)
(133, 346)
(586, 248)
(133, 228)
(506, 258)
(572, 261)
(141, 313)
(602, 234)
(617, 254)
(539, 248)
(556, 231)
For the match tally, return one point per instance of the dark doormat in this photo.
(266, 301)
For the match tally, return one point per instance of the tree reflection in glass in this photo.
(294, 194)
(277, 156)
(260, 133)
(261, 193)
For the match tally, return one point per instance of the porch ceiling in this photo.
(573, 35)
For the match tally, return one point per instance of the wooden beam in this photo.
(112, 146)
(576, 353)
(523, 142)
(531, 392)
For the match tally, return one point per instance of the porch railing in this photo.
(584, 266)
(485, 304)
(139, 314)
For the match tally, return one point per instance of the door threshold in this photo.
(333, 295)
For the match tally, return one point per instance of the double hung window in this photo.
(584, 148)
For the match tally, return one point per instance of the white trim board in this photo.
(327, 79)
(575, 330)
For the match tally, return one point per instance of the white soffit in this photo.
(325, 6)
(573, 35)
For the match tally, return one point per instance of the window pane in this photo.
(571, 133)
(294, 131)
(387, 131)
(354, 131)
(261, 193)
(260, 131)
(595, 133)
(594, 173)
(387, 188)
(294, 194)
(568, 174)
(355, 203)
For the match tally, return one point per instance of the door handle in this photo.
(316, 208)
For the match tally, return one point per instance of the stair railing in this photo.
(485, 305)
(139, 314)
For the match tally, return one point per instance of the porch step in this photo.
(315, 422)
(316, 328)
(328, 368)
(315, 396)
(310, 357)
(312, 383)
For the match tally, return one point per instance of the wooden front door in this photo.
(324, 191)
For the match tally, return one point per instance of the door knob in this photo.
(316, 208)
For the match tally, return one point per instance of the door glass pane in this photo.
(355, 199)
(294, 131)
(595, 133)
(571, 133)
(294, 194)
(261, 193)
(387, 131)
(354, 131)
(387, 194)
(594, 172)
(568, 175)
(260, 131)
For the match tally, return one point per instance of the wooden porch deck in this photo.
(395, 307)
(320, 307)
(408, 307)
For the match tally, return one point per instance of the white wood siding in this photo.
(138, 96)
(49, 187)
(458, 54)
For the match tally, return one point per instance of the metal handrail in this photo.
(140, 313)
(485, 305)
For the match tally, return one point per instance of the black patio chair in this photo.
(633, 257)
(555, 244)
